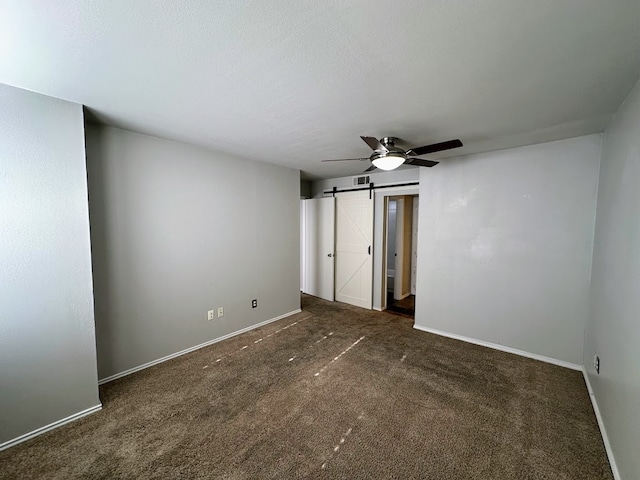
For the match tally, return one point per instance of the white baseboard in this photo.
(603, 431)
(51, 426)
(191, 349)
(495, 346)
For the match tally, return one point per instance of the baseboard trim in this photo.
(192, 349)
(51, 426)
(603, 430)
(495, 346)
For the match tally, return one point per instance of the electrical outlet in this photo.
(210, 315)
(254, 303)
(220, 312)
(596, 363)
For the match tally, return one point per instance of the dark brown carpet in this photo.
(333, 392)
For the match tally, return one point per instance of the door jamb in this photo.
(380, 240)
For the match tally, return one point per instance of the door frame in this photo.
(380, 240)
(414, 243)
(303, 244)
(398, 262)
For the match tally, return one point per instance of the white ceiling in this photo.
(292, 82)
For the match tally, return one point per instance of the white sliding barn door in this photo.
(354, 248)
(319, 235)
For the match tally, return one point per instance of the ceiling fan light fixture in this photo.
(391, 161)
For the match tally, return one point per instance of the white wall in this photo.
(613, 331)
(176, 231)
(378, 177)
(47, 337)
(505, 245)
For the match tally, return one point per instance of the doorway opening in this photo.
(400, 264)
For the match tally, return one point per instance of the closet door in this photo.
(319, 233)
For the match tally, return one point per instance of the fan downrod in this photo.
(388, 141)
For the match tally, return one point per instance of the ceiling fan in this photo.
(386, 156)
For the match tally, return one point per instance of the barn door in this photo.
(354, 248)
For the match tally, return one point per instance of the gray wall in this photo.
(176, 231)
(305, 189)
(47, 338)
(505, 246)
(613, 331)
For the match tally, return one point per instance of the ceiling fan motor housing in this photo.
(389, 143)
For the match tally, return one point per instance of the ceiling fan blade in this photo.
(345, 159)
(436, 147)
(371, 168)
(374, 143)
(420, 162)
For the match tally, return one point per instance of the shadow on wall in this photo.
(98, 221)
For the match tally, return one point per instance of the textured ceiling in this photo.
(292, 82)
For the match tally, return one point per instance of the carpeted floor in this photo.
(333, 392)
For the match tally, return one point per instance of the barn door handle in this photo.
(369, 250)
